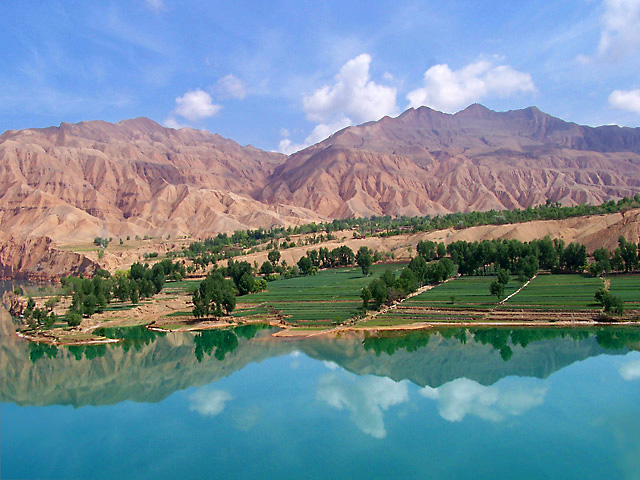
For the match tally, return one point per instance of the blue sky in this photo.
(282, 74)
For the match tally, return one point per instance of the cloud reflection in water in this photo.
(462, 397)
(366, 398)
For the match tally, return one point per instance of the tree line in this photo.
(225, 246)
(92, 295)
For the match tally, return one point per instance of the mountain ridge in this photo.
(135, 177)
(425, 162)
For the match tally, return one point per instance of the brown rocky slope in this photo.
(426, 162)
(74, 182)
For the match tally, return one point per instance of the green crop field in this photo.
(182, 286)
(330, 296)
(461, 293)
(626, 287)
(558, 292)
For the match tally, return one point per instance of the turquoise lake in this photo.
(242, 404)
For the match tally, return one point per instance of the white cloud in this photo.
(319, 133)
(352, 98)
(620, 35)
(625, 100)
(449, 91)
(366, 398)
(232, 87)
(330, 365)
(630, 370)
(155, 5)
(353, 94)
(462, 397)
(209, 402)
(196, 105)
(172, 122)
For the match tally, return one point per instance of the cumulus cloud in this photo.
(353, 94)
(630, 370)
(231, 86)
(450, 90)
(209, 402)
(319, 133)
(462, 397)
(196, 105)
(366, 398)
(620, 35)
(193, 105)
(352, 98)
(625, 100)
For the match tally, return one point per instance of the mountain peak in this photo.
(476, 109)
(141, 123)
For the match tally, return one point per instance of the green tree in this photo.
(73, 318)
(364, 260)
(246, 284)
(366, 296)
(610, 303)
(214, 295)
(266, 268)
(497, 288)
(305, 264)
(503, 276)
(378, 290)
(274, 256)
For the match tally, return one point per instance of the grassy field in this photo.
(558, 292)
(461, 293)
(182, 286)
(331, 296)
(467, 299)
(626, 287)
(464, 299)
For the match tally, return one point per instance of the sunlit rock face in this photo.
(78, 181)
(426, 162)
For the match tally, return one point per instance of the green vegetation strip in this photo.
(561, 292)
(626, 287)
(461, 294)
(330, 296)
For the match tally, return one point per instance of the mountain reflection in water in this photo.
(148, 366)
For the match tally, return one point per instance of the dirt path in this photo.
(374, 314)
(518, 290)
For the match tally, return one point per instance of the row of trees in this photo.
(476, 258)
(92, 295)
(224, 246)
(623, 258)
(341, 256)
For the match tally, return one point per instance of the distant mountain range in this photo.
(78, 181)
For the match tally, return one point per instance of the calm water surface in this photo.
(240, 404)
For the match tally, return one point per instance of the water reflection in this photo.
(148, 366)
(223, 341)
(366, 398)
(630, 370)
(462, 397)
(209, 401)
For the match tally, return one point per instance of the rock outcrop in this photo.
(37, 259)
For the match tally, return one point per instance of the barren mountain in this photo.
(426, 162)
(75, 182)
